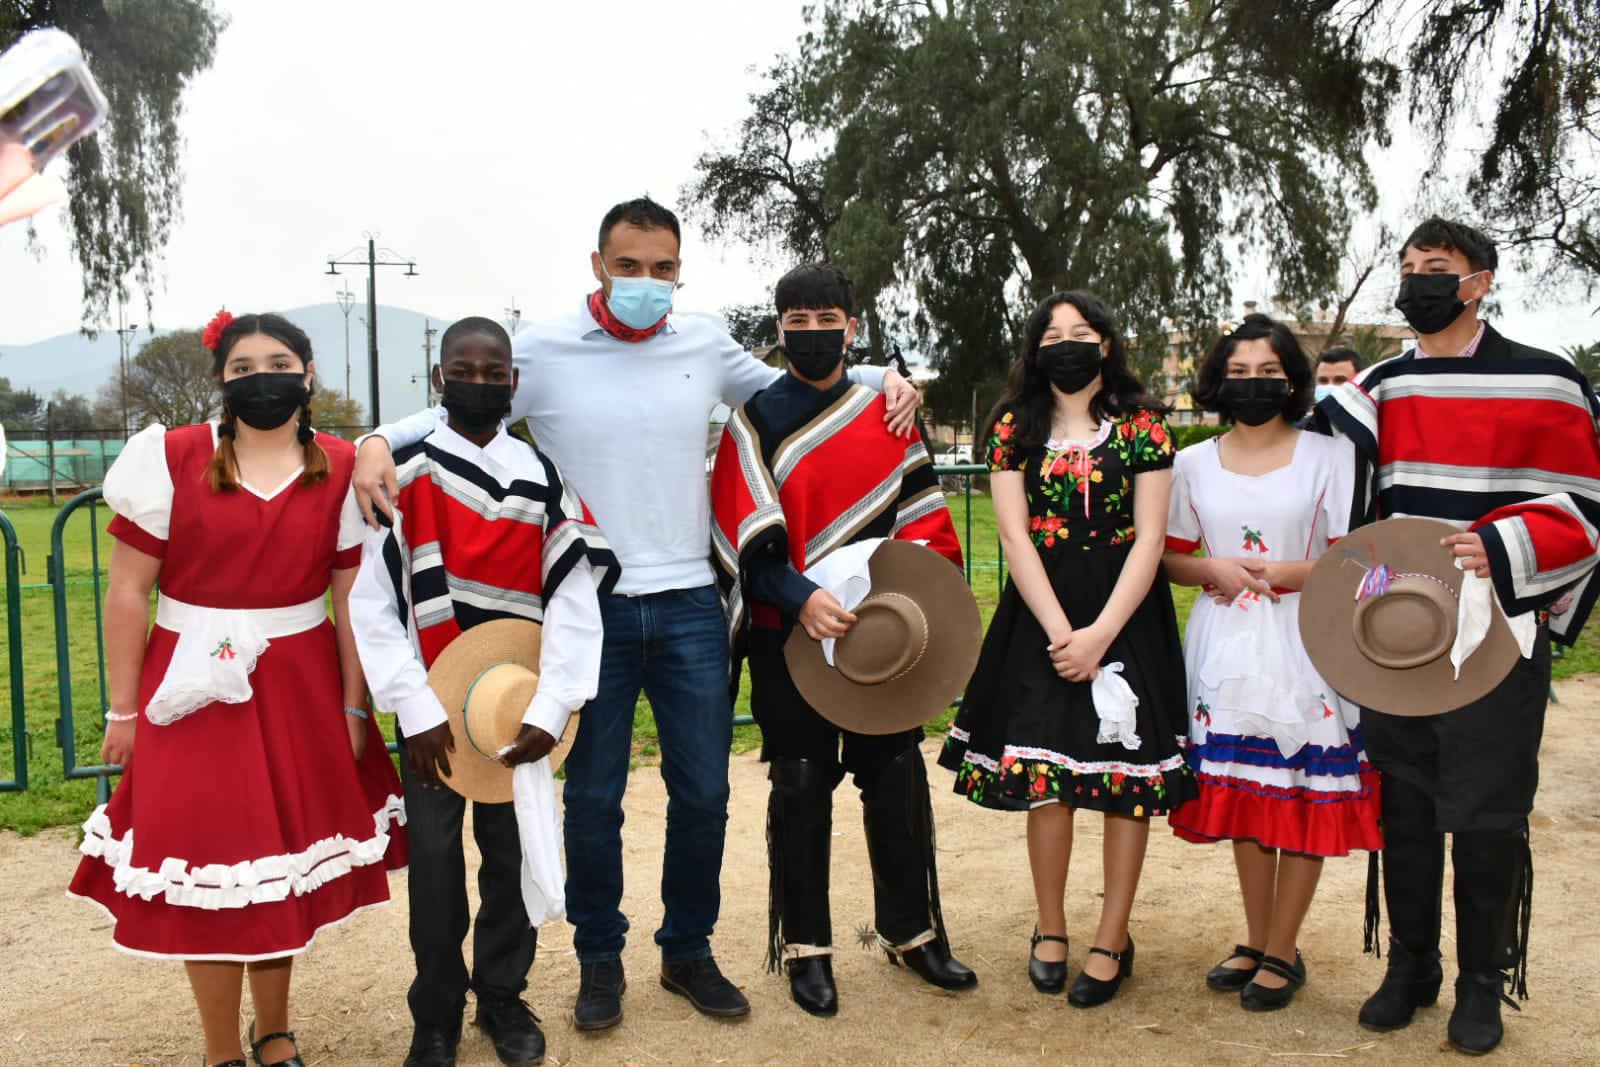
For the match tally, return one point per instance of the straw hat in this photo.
(1387, 647)
(910, 653)
(485, 679)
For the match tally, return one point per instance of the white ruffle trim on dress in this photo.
(216, 886)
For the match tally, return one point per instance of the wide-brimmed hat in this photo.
(910, 653)
(485, 679)
(1383, 638)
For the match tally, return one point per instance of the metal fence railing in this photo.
(82, 682)
(21, 739)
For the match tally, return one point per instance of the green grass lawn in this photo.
(52, 801)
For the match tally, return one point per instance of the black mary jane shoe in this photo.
(811, 985)
(1047, 977)
(1225, 979)
(1257, 997)
(257, 1045)
(1475, 1026)
(1090, 992)
(933, 963)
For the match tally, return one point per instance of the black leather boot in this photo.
(799, 836)
(905, 877)
(1413, 888)
(1475, 1026)
(811, 985)
(1411, 982)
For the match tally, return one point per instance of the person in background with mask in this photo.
(258, 805)
(620, 394)
(1283, 774)
(484, 528)
(893, 492)
(1335, 366)
(1081, 459)
(1499, 439)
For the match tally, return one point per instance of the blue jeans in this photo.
(674, 646)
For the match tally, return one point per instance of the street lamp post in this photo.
(372, 263)
(346, 302)
(124, 331)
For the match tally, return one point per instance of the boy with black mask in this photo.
(484, 529)
(829, 428)
(1434, 431)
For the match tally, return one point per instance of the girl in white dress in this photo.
(1282, 770)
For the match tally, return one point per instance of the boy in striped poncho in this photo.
(1500, 440)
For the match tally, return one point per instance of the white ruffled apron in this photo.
(216, 651)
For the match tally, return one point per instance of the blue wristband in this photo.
(359, 713)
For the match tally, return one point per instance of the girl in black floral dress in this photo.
(1081, 460)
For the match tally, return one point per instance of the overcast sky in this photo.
(482, 139)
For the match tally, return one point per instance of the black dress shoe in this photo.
(1257, 997)
(513, 1029)
(257, 1045)
(1232, 979)
(811, 985)
(1411, 982)
(1475, 1026)
(599, 1003)
(702, 983)
(433, 1046)
(1047, 977)
(1089, 992)
(933, 962)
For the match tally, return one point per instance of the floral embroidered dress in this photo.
(1027, 736)
(1277, 753)
(239, 829)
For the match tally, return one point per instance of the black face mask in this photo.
(814, 354)
(1070, 365)
(265, 401)
(476, 407)
(1254, 401)
(1429, 301)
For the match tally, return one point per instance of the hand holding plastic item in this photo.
(22, 192)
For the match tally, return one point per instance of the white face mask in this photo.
(1325, 391)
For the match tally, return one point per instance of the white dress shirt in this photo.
(629, 424)
(569, 653)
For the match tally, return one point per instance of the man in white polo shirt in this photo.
(619, 394)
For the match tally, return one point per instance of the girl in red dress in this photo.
(257, 803)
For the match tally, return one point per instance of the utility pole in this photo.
(372, 263)
(124, 331)
(513, 317)
(347, 301)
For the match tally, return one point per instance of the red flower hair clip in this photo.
(213, 335)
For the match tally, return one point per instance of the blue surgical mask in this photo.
(639, 302)
(1325, 391)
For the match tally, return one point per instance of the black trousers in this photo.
(1471, 773)
(503, 943)
(791, 729)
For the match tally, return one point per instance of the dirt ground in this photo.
(66, 997)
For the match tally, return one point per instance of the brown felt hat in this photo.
(485, 679)
(910, 653)
(1391, 652)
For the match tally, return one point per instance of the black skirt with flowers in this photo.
(1025, 735)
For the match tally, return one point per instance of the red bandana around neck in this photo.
(615, 326)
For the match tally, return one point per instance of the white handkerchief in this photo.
(1474, 614)
(1114, 703)
(844, 574)
(211, 663)
(533, 794)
